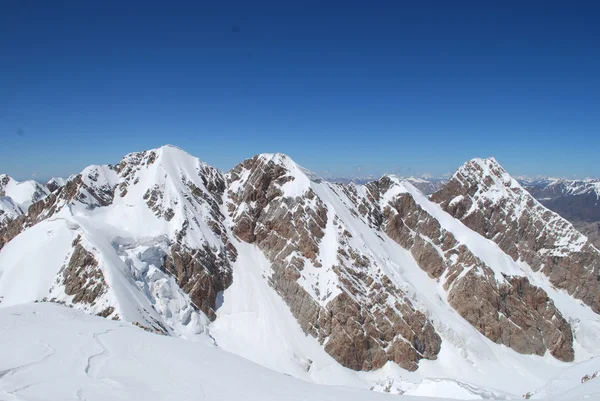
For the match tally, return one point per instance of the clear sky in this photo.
(344, 88)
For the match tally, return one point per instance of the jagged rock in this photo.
(516, 314)
(82, 277)
(201, 273)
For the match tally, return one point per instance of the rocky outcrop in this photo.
(515, 313)
(201, 273)
(71, 192)
(4, 180)
(82, 277)
(485, 198)
(289, 231)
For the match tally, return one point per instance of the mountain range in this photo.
(397, 285)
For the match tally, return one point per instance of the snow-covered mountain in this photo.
(576, 200)
(425, 185)
(550, 188)
(485, 198)
(16, 197)
(480, 288)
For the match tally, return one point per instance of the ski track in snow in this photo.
(17, 369)
(102, 355)
(6, 373)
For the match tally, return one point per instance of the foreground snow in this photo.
(50, 352)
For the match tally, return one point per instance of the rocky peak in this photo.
(477, 276)
(54, 183)
(488, 200)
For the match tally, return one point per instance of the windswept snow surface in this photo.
(579, 382)
(50, 352)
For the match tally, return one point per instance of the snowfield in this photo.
(51, 352)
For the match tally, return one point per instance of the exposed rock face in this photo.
(485, 198)
(201, 273)
(82, 277)
(364, 320)
(516, 314)
(54, 183)
(4, 180)
(74, 191)
(40, 210)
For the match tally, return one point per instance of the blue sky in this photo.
(344, 88)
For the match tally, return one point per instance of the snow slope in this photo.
(465, 356)
(581, 381)
(51, 352)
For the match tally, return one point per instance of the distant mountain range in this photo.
(576, 200)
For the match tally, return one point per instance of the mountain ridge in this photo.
(374, 274)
